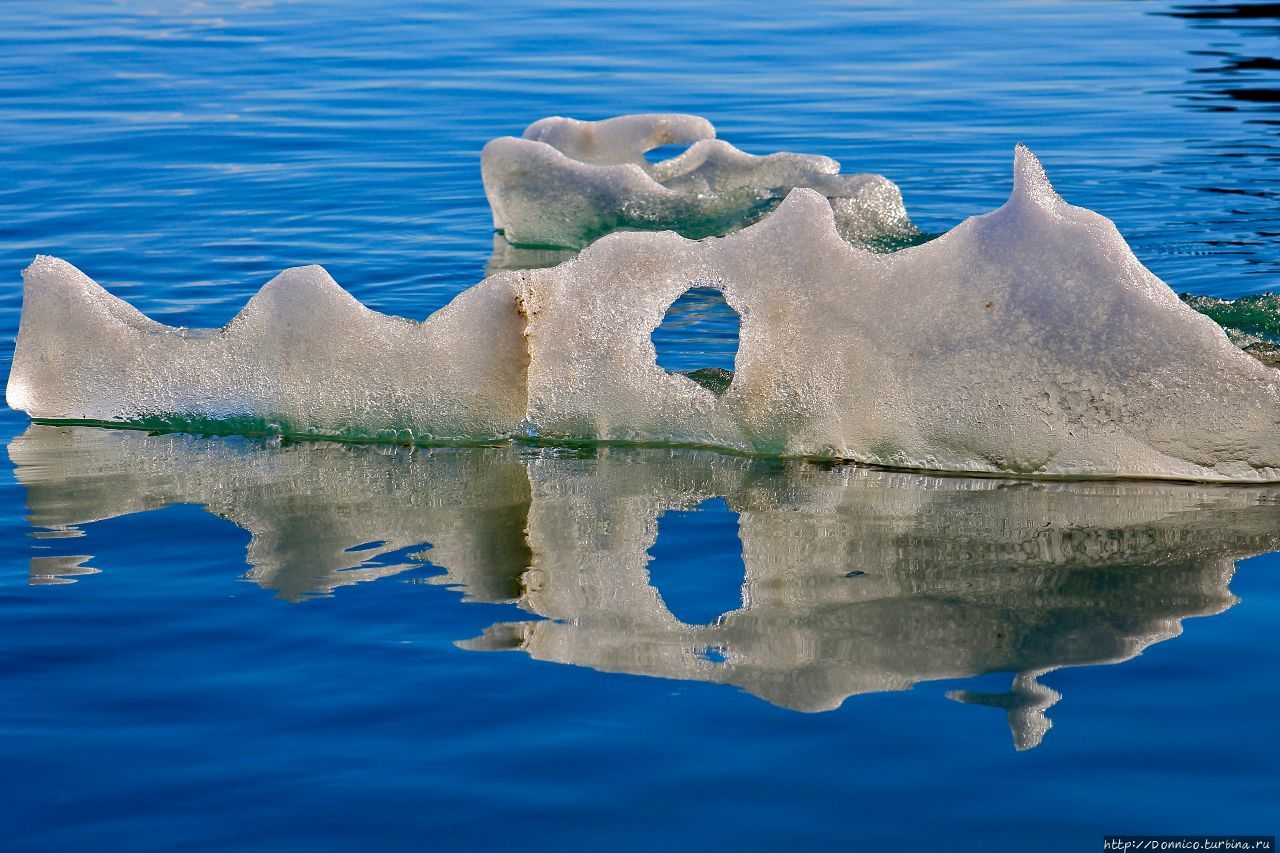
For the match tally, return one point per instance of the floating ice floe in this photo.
(1029, 340)
(568, 182)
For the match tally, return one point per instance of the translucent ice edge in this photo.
(568, 182)
(1027, 341)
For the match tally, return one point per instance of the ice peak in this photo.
(1030, 183)
(805, 209)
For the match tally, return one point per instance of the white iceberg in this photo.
(568, 182)
(1029, 340)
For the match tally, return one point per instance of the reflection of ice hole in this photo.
(699, 338)
(697, 564)
(664, 152)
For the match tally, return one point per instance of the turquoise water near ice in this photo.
(222, 642)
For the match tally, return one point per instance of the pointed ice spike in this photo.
(1030, 182)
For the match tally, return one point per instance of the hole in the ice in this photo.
(697, 567)
(699, 338)
(713, 654)
(664, 152)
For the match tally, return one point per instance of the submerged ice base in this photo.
(1029, 340)
(568, 182)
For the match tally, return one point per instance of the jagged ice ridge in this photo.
(1029, 340)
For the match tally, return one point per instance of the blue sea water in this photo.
(228, 643)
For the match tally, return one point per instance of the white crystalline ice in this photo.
(303, 356)
(624, 139)
(1029, 340)
(567, 182)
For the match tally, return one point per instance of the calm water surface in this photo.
(216, 643)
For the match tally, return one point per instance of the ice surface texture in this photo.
(1029, 340)
(568, 182)
(302, 357)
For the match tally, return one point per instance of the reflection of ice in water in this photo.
(1026, 701)
(310, 509)
(856, 580)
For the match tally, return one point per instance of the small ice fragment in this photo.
(568, 182)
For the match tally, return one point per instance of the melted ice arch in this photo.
(569, 182)
(1029, 340)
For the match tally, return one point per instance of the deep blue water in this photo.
(215, 643)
